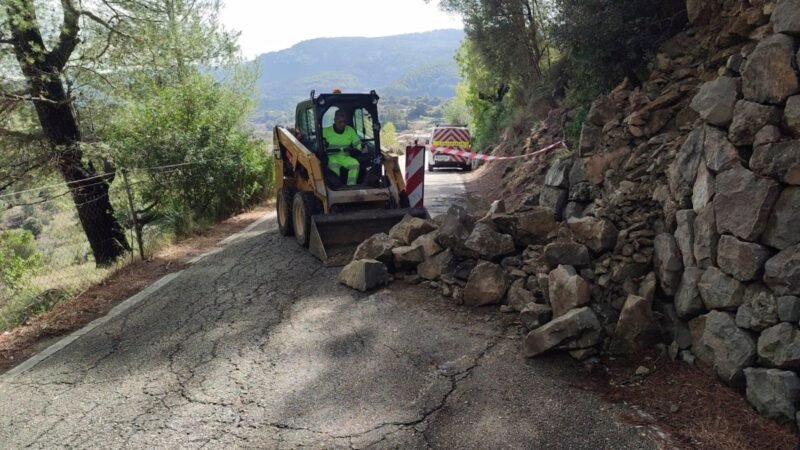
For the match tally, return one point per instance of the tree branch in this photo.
(68, 39)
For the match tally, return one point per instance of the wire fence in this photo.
(45, 254)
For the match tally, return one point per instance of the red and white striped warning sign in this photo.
(470, 155)
(415, 175)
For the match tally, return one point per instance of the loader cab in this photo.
(313, 115)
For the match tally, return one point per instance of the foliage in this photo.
(456, 111)
(19, 259)
(389, 136)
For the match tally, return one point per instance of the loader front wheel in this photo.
(284, 207)
(304, 206)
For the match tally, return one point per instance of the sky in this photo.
(267, 26)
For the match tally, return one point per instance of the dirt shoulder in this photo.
(18, 344)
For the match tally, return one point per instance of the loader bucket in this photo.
(334, 237)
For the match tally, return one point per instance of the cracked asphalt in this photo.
(257, 346)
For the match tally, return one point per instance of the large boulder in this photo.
(410, 228)
(441, 264)
(555, 199)
(529, 226)
(591, 135)
(485, 243)
(668, 263)
(779, 346)
(688, 302)
(715, 101)
(636, 328)
(518, 296)
(759, 310)
(773, 392)
(719, 153)
(576, 329)
(720, 291)
(789, 308)
(744, 202)
(456, 227)
(682, 173)
(780, 160)
(378, 247)
(704, 188)
(428, 243)
(567, 253)
(742, 260)
(786, 17)
(567, 290)
(770, 134)
(600, 235)
(768, 75)
(364, 275)
(535, 315)
(558, 174)
(749, 118)
(706, 237)
(407, 257)
(722, 347)
(791, 115)
(782, 272)
(684, 236)
(487, 285)
(782, 228)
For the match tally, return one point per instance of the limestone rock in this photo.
(601, 111)
(704, 188)
(566, 253)
(783, 228)
(567, 290)
(488, 244)
(768, 75)
(782, 272)
(456, 227)
(487, 285)
(576, 329)
(555, 199)
(780, 160)
(428, 243)
(407, 257)
(600, 235)
(789, 308)
(378, 247)
(773, 392)
(364, 275)
(705, 238)
(636, 329)
(791, 115)
(410, 228)
(529, 226)
(720, 291)
(742, 260)
(668, 264)
(719, 153)
(722, 346)
(684, 236)
(786, 17)
(715, 101)
(688, 302)
(770, 134)
(558, 174)
(749, 118)
(518, 296)
(433, 268)
(744, 202)
(759, 310)
(682, 172)
(779, 346)
(535, 315)
(591, 135)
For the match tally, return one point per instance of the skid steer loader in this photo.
(314, 203)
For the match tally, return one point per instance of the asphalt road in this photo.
(257, 346)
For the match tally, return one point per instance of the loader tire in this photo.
(284, 207)
(304, 206)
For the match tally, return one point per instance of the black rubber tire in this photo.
(304, 206)
(283, 205)
(404, 202)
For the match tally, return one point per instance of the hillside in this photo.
(418, 65)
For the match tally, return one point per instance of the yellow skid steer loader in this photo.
(315, 202)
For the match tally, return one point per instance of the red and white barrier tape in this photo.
(470, 155)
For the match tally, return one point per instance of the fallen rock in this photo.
(583, 354)
(487, 285)
(719, 153)
(715, 101)
(574, 330)
(688, 302)
(529, 226)
(786, 17)
(668, 264)
(410, 228)
(782, 228)
(780, 160)
(791, 115)
(768, 75)
(567, 254)
(428, 243)
(518, 296)
(720, 291)
(706, 238)
(407, 257)
(433, 268)
(704, 188)
(456, 227)
(464, 268)
(773, 392)
(684, 236)
(779, 346)
(742, 260)
(567, 290)
(749, 118)
(770, 134)
(636, 329)
(789, 308)
(378, 247)
(555, 199)
(744, 202)
(782, 272)
(488, 244)
(591, 135)
(723, 347)
(558, 174)
(759, 310)
(535, 315)
(682, 173)
(600, 235)
(364, 275)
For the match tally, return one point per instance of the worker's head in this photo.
(340, 120)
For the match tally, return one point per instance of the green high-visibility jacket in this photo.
(343, 140)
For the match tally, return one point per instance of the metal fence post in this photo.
(137, 229)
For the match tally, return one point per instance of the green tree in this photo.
(456, 111)
(389, 136)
